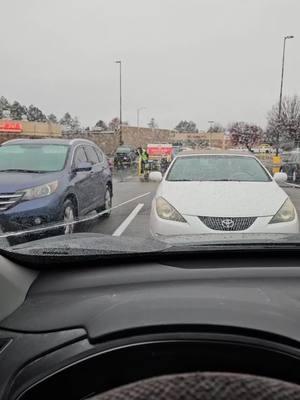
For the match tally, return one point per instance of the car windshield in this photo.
(148, 122)
(123, 150)
(33, 157)
(217, 168)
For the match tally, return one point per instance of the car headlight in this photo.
(166, 211)
(40, 191)
(286, 213)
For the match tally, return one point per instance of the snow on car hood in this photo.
(224, 199)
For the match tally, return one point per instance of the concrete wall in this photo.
(40, 129)
(109, 141)
(142, 136)
(136, 137)
(10, 136)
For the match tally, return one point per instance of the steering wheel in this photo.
(208, 386)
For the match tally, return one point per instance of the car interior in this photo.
(84, 329)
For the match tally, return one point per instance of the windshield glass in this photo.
(217, 168)
(149, 120)
(33, 157)
(123, 150)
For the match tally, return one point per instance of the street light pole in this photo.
(281, 87)
(120, 129)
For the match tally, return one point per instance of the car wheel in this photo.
(69, 215)
(107, 203)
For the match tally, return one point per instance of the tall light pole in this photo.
(138, 116)
(210, 132)
(281, 86)
(120, 129)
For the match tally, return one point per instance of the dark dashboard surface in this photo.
(234, 311)
(106, 299)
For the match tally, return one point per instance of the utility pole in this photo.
(281, 87)
(120, 128)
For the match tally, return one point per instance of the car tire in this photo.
(107, 203)
(69, 215)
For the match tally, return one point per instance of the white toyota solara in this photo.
(210, 193)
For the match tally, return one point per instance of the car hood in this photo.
(224, 199)
(11, 182)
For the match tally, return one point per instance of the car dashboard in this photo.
(72, 332)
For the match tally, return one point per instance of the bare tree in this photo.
(287, 127)
(244, 134)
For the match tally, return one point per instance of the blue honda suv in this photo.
(46, 181)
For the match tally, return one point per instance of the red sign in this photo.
(14, 127)
(159, 149)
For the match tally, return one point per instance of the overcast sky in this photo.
(182, 59)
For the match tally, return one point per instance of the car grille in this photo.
(228, 223)
(7, 200)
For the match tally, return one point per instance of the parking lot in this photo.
(132, 218)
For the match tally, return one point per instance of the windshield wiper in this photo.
(181, 180)
(31, 171)
(226, 180)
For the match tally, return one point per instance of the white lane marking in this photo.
(62, 224)
(127, 221)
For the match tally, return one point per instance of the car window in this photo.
(99, 154)
(79, 156)
(33, 157)
(91, 155)
(123, 150)
(217, 168)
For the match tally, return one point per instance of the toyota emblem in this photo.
(227, 223)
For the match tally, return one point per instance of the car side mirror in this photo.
(84, 166)
(155, 176)
(280, 177)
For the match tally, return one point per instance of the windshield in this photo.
(123, 150)
(149, 121)
(33, 157)
(217, 168)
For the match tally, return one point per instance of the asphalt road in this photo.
(131, 210)
(132, 218)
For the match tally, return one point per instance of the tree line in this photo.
(286, 126)
(17, 111)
